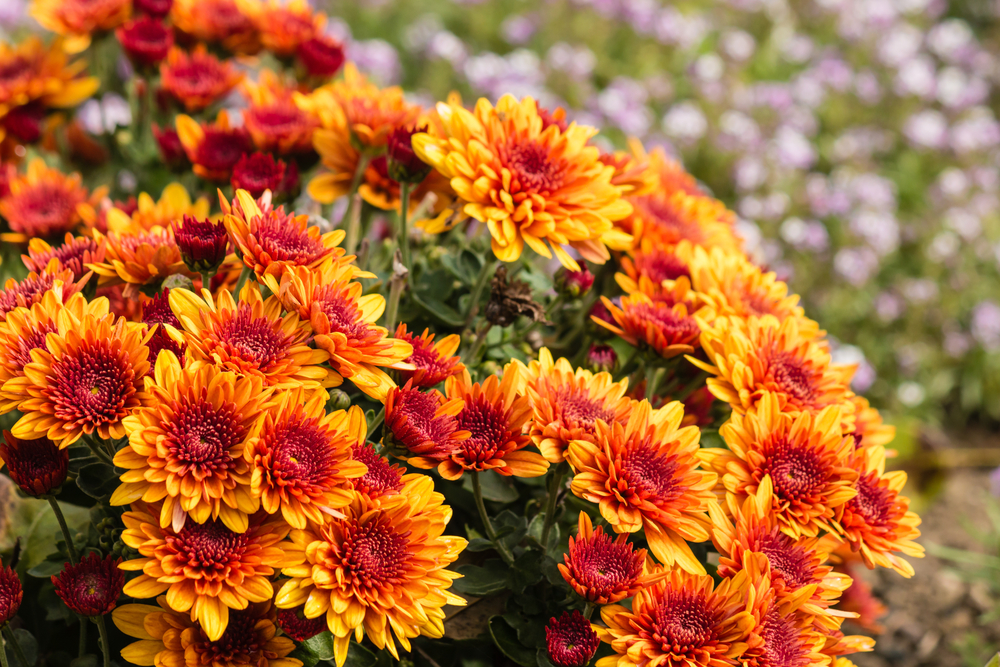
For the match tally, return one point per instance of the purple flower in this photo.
(985, 326)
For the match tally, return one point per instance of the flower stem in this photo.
(97, 450)
(83, 637)
(379, 418)
(352, 216)
(206, 280)
(3, 653)
(102, 628)
(550, 505)
(396, 285)
(477, 491)
(652, 383)
(244, 276)
(477, 345)
(588, 610)
(12, 638)
(70, 549)
(404, 211)
(489, 268)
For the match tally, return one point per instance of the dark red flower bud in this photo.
(92, 586)
(25, 122)
(404, 165)
(146, 40)
(321, 55)
(36, 466)
(570, 640)
(295, 624)
(257, 173)
(155, 8)
(203, 243)
(600, 311)
(574, 283)
(602, 358)
(171, 149)
(10, 594)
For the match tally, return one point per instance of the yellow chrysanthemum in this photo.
(186, 445)
(251, 337)
(174, 203)
(645, 475)
(566, 403)
(34, 72)
(379, 572)
(529, 184)
(300, 459)
(136, 257)
(667, 218)
(78, 20)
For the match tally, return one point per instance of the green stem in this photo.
(477, 491)
(70, 549)
(477, 346)
(588, 610)
(97, 449)
(3, 653)
(352, 216)
(396, 285)
(102, 628)
(244, 276)
(404, 211)
(12, 638)
(379, 418)
(206, 280)
(83, 637)
(550, 505)
(489, 268)
(652, 383)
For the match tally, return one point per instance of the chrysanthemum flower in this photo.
(434, 362)
(383, 479)
(136, 258)
(11, 594)
(877, 521)
(186, 445)
(171, 149)
(633, 172)
(88, 380)
(157, 311)
(565, 403)
(203, 243)
(283, 26)
(801, 462)
(669, 174)
(92, 586)
(197, 79)
(257, 173)
(667, 324)
(300, 458)
(541, 187)
(272, 241)
(213, 149)
(251, 337)
(868, 426)
(216, 21)
(293, 622)
(570, 641)
(170, 638)
(667, 218)
(77, 20)
(422, 425)
(174, 203)
(761, 355)
(644, 475)
(146, 40)
(275, 122)
(204, 568)
(37, 466)
(344, 325)
(321, 56)
(495, 416)
(681, 621)
(652, 264)
(378, 572)
(34, 287)
(44, 202)
(73, 254)
(603, 570)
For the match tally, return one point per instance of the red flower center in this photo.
(790, 374)
(650, 474)
(226, 17)
(783, 645)
(241, 643)
(797, 474)
(220, 150)
(130, 243)
(373, 554)
(532, 168)
(285, 242)
(26, 292)
(277, 118)
(381, 477)
(342, 314)
(294, 624)
(682, 623)
(92, 586)
(570, 640)
(488, 426)
(71, 255)
(251, 338)
(604, 565)
(660, 266)
(92, 385)
(668, 219)
(14, 70)
(666, 322)
(44, 209)
(791, 562)
(201, 437)
(580, 410)
(208, 546)
(198, 76)
(874, 501)
(300, 453)
(426, 359)
(157, 310)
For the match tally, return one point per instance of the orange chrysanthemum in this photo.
(45, 202)
(77, 20)
(801, 462)
(434, 362)
(87, 381)
(666, 219)
(669, 174)
(216, 21)
(25, 329)
(204, 568)
(137, 257)
(495, 416)
(422, 425)
(214, 149)
(344, 324)
(197, 79)
(604, 570)
(169, 638)
(565, 404)
(868, 425)
(300, 459)
(644, 474)
(877, 521)
(632, 170)
(383, 479)
(273, 119)
(174, 203)
(282, 26)
(186, 445)
(529, 184)
(650, 264)
(73, 254)
(31, 289)
(378, 572)
(251, 337)
(762, 355)
(681, 621)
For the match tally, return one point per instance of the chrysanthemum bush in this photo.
(484, 394)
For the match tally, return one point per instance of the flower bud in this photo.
(171, 149)
(257, 173)
(155, 8)
(339, 400)
(38, 467)
(404, 165)
(146, 40)
(203, 244)
(574, 283)
(602, 358)
(570, 640)
(321, 55)
(92, 586)
(11, 594)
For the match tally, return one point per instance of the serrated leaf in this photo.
(320, 646)
(506, 640)
(492, 577)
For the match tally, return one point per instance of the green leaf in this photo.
(543, 658)
(89, 660)
(497, 488)
(995, 662)
(527, 571)
(97, 480)
(28, 645)
(506, 640)
(359, 656)
(465, 266)
(43, 533)
(491, 578)
(46, 568)
(320, 646)
(439, 310)
(479, 544)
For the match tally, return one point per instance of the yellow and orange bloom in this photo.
(422, 425)
(877, 522)
(206, 569)
(31, 290)
(197, 79)
(174, 203)
(344, 325)
(566, 403)
(645, 475)
(869, 429)
(274, 121)
(650, 264)
(528, 184)
(632, 170)
(44, 202)
(250, 337)
(797, 464)
(138, 257)
(73, 254)
(216, 21)
(391, 593)
(186, 445)
(383, 480)
(666, 219)
(759, 355)
(495, 415)
(169, 638)
(282, 26)
(682, 621)
(88, 380)
(78, 20)
(214, 149)
(300, 459)
(433, 362)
